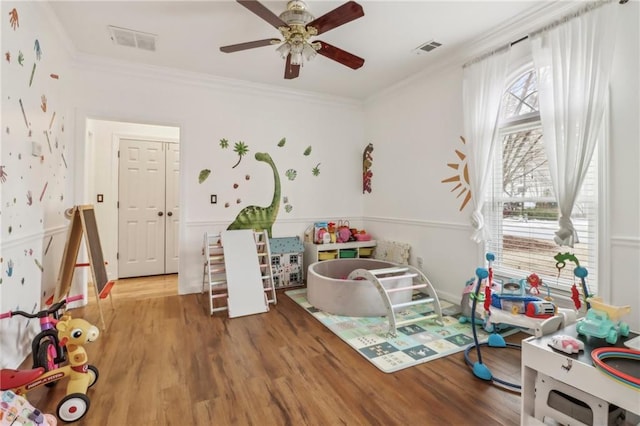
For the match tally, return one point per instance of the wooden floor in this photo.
(164, 361)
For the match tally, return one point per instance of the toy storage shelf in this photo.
(355, 249)
(570, 372)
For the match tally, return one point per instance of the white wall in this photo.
(412, 150)
(37, 186)
(624, 173)
(206, 112)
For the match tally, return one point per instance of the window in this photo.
(522, 212)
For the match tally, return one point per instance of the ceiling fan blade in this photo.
(249, 45)
(339, 55)
(291, 71)
(338, 16)
(260, 10)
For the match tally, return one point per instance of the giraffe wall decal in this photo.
(257, 217)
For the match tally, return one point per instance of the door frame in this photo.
(86, 162)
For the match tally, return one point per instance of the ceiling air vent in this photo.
(130, 38)
(427, 47)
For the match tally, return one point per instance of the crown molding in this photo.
(101, 64)
(169, 75)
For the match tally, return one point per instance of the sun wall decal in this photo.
(461, 178)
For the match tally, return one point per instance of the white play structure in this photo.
(237, 276)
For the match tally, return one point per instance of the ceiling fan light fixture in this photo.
(296, 58)
(284, 50)
(309, 52)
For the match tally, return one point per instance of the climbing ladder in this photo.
(214, 278)
(266, 269)
(242, 277)
(418, 285)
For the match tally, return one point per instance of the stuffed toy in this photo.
(74, 333)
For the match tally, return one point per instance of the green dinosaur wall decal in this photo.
(257, 217)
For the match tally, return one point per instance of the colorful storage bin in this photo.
(366, 251)
(327, 255)
(348, 253)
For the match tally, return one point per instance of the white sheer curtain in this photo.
(573, 63)
(482, 89)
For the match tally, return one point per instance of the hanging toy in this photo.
(487, 288)
(580, 272)
(575, 296)
(534, 282)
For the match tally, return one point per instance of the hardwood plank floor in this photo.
(164, 361)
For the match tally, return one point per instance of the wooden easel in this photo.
(83, 221)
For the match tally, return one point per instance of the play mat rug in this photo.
(415, 344)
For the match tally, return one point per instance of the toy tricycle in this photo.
(73, 333)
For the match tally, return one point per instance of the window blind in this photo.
(522, 213)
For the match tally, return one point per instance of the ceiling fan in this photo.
(297, 26)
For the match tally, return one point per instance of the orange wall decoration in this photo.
(461, 178)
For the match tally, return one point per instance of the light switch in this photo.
(100, 198)
(214, 198)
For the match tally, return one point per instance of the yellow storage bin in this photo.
(366, 251)
(327, 255)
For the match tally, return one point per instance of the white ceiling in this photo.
(190, 34)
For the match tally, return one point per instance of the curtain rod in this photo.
(545, 28)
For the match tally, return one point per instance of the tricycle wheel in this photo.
(73, 407)
(92, 370)
(46, 357)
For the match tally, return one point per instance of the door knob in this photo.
(169, 213)
(160, 213)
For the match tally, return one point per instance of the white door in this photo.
(145, 228)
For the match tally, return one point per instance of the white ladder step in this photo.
(411, 287)
(413, 303)
(384, 271)
(415, 320)
(218, 295)
(395, 277)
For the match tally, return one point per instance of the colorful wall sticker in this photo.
(461, 178)
(259, 217)
(37, 49)
(367, 174)
(14, 21)
(241, 149)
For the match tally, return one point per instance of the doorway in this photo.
(101, 176)
(148, 213)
